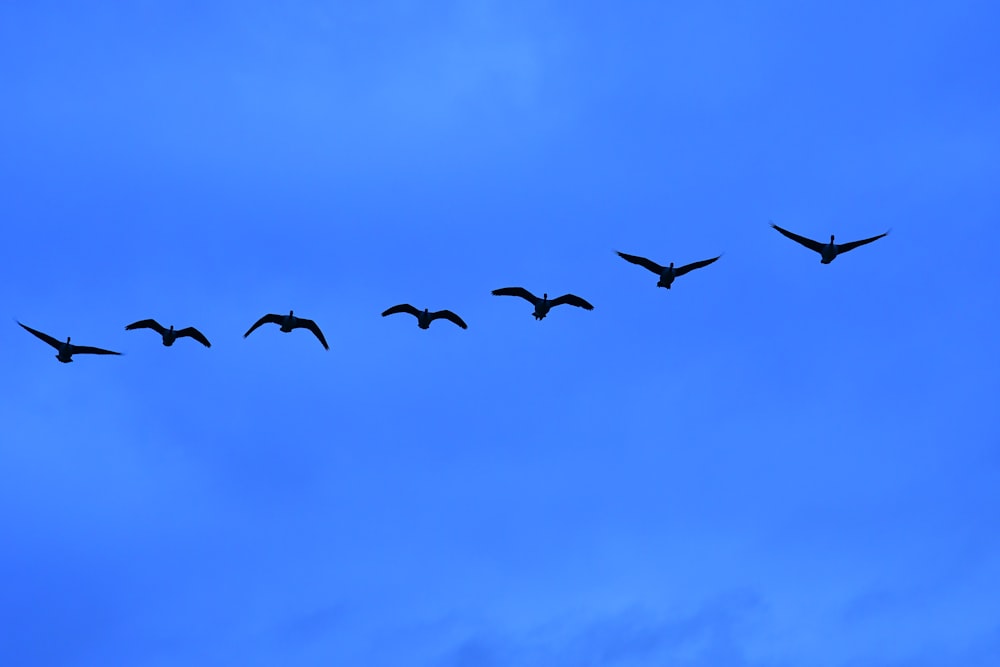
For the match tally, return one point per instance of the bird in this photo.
(170, 335)
(425, 317)
(828, 251)
(543, 305)
(289, 322)
(666, 273)
(66, 350)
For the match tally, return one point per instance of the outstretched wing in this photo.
(312, 326)
(146, 324)
(572, 300)
(401, 308)
(193, 333)
(844, 247)
(84, 349)
(448, 315)
(47, 338)
(693, 265)
(643, 262)
(269, 318)
(809, 243)
(517, 291)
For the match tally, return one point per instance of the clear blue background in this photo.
(775, 463)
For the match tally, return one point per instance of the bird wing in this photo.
(643, 262)
(146, 324)
(572, 300)
(47, 338)
(844, 247)
(312, 326)
(693, 265)
(270, 317)
(809, 243)
(402, 308)
(448, 315)
(84, 349)
(517, 291)
(193, 333)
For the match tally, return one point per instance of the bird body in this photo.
(425, 317)
(66, 350)
(667, 274)
(169, 335)
(545, 304)
(289, 322)
(827, 251)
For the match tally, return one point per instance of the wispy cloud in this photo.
(716, 635)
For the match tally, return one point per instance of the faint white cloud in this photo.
(718, 635)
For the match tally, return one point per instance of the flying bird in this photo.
(425, 317)
(66, 350)
(543, 305)
(170, 335)
(828, 251)
(289, 322)
(666, 273)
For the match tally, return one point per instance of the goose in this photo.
(169, 335)
(289, 322)
(827, 251)
(66, 350)
(543, 305)
(666, 273)
(425, 318)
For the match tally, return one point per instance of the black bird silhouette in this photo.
(425, 317)
(828, 251)
(666, 273)
(543, 305)
(170, 335)
(289, 322)
(66, 350)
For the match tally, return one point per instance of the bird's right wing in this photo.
(809, 243)
(269, 318)
(451, 317)
(572, 300)
(47, 338)
(844, 247)
(194, 333)
(694, 265)
(84, 349)
(401, 308)
(312, 326)
(517, 291)
(643, 262)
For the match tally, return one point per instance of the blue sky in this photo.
(774, 463)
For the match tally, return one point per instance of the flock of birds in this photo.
(65, 350)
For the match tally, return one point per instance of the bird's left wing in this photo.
(146, 324)
(270, 317)
(642, 261)
(43, 336)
